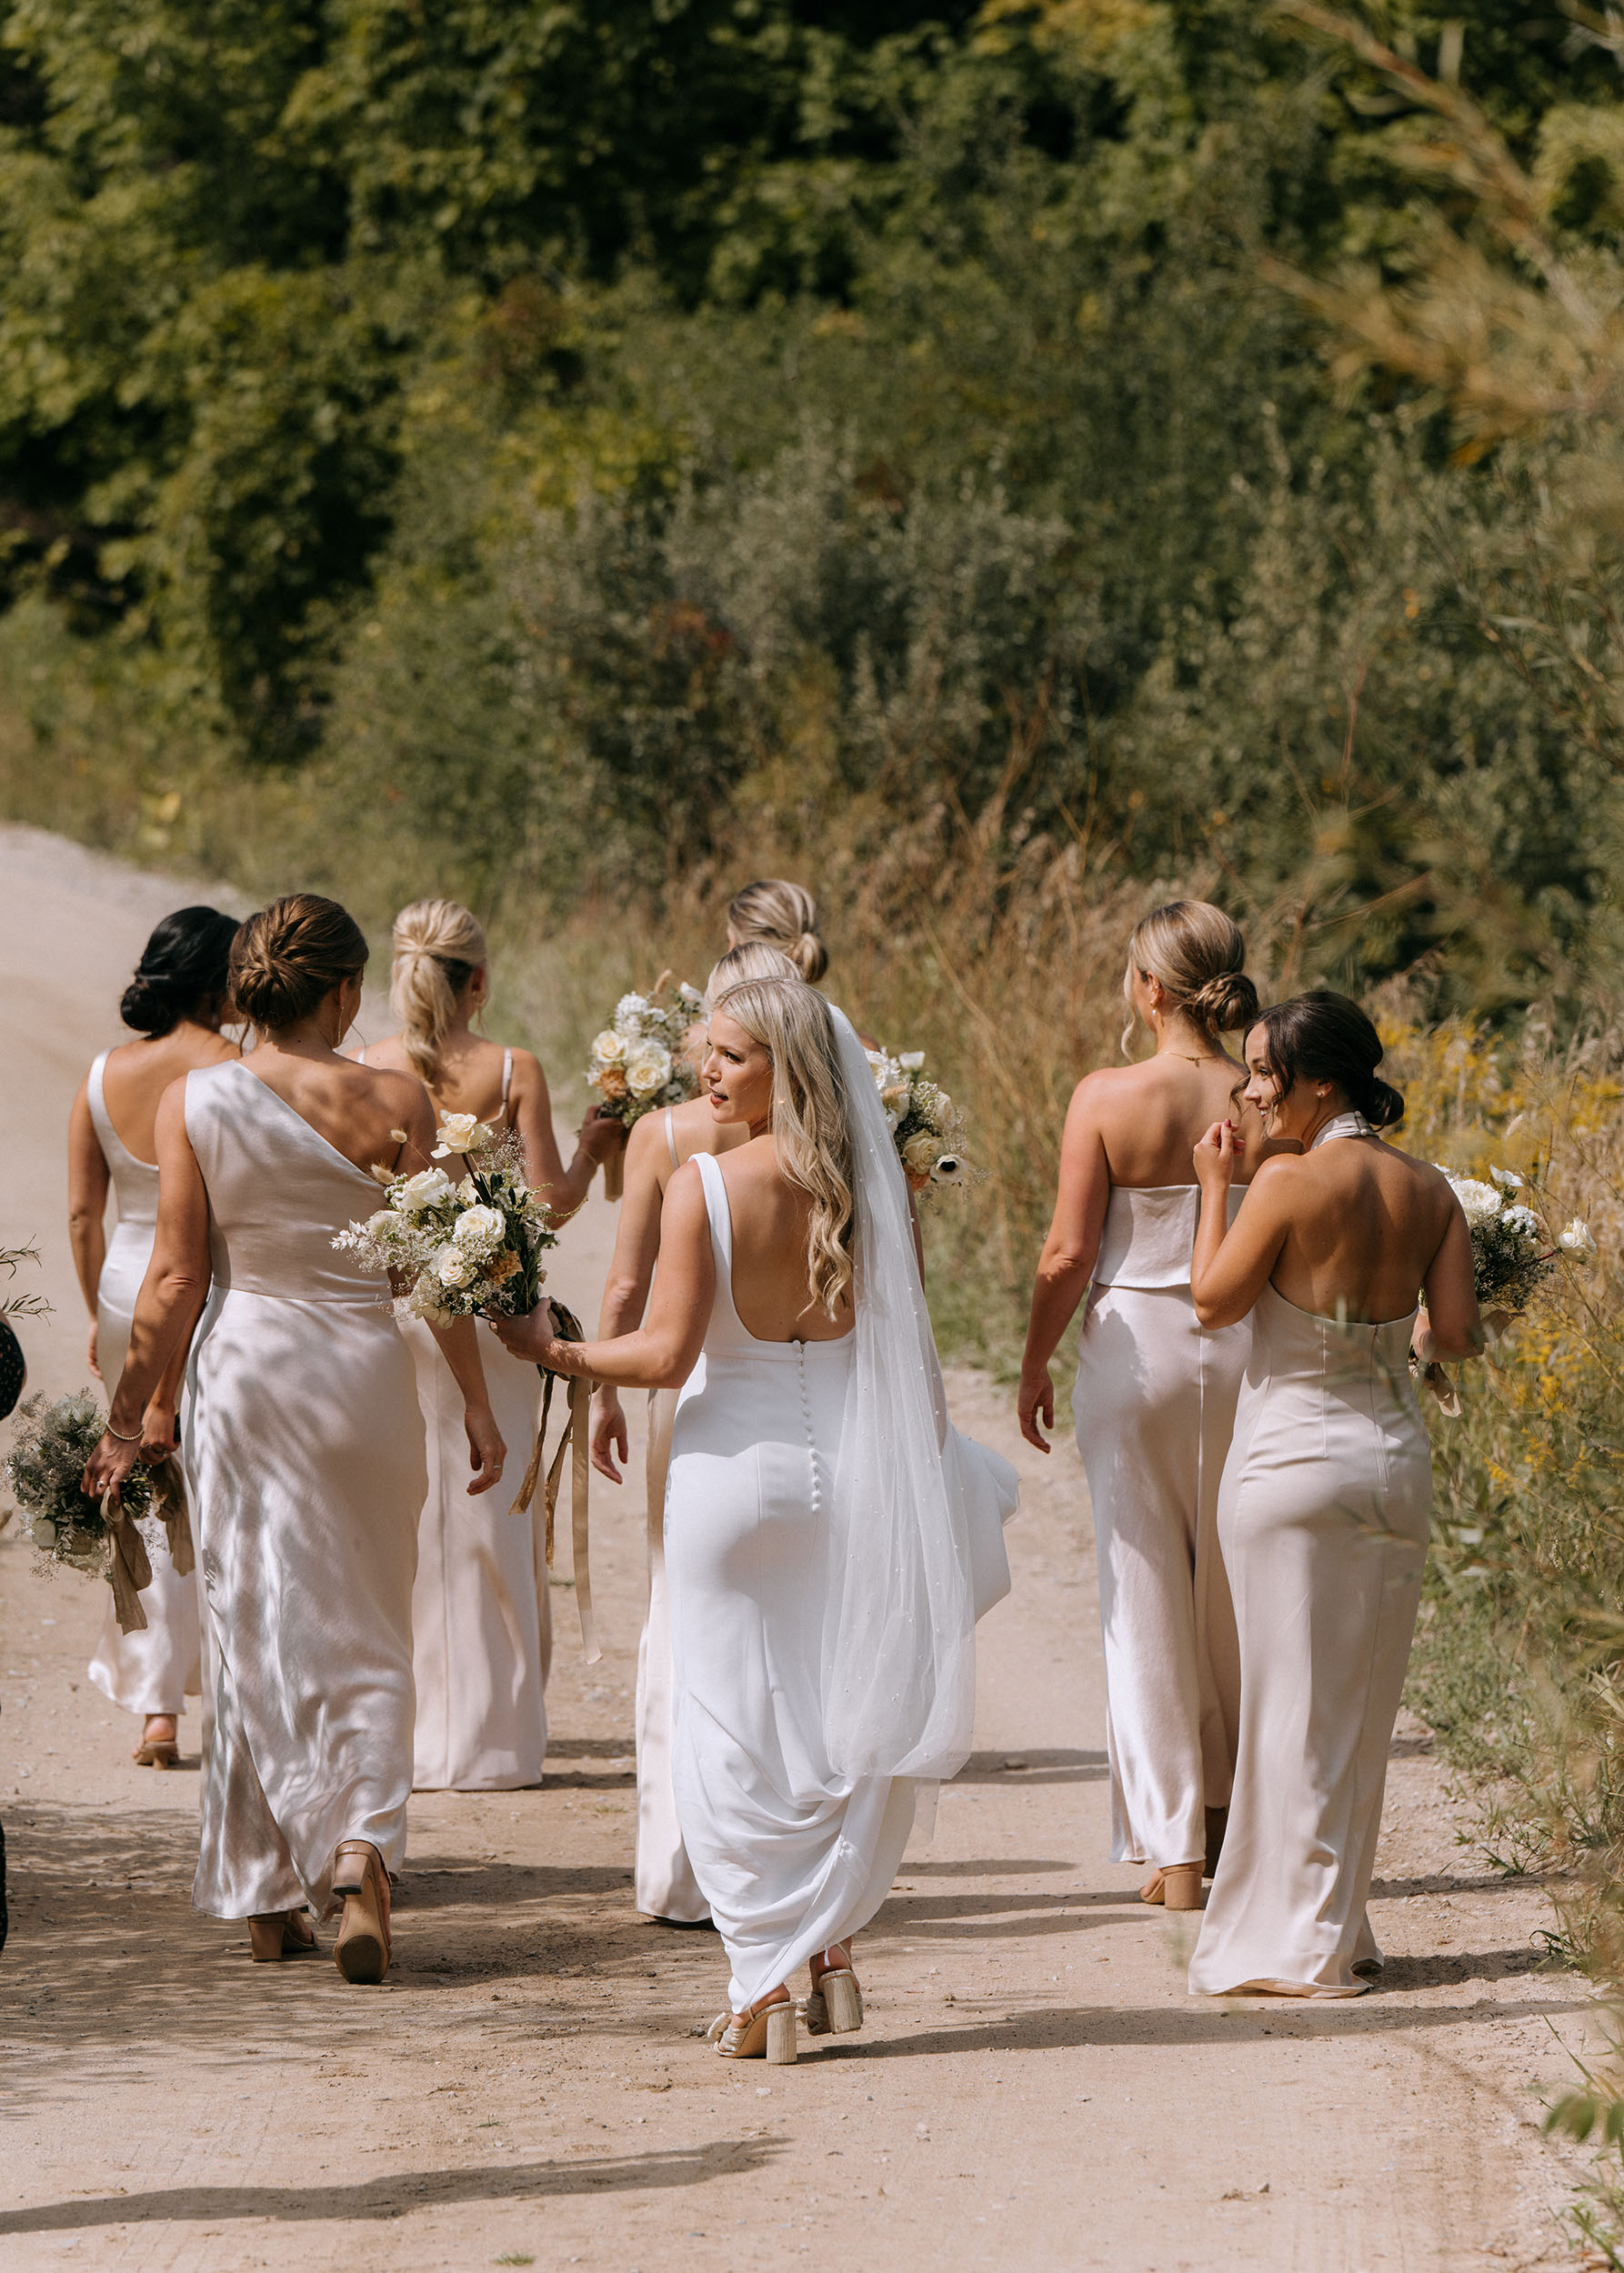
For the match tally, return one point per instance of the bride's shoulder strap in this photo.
(716, 1203)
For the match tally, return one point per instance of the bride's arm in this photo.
(663, 1351)
(1231, 1263)
(1067, 1263)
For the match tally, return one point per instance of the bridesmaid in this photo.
(304, 1440)
(1327, 1493)
(777, 914)
(1155, 1397)
(660, 1144)
(176, 1001)
(482, 1622)
(819, 1512)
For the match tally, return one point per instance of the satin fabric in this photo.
(1154, 1407)
(664, 1884)
(306, 1447)
(790, 1856)
(154, 1670)
(1324, 1517)
(482, 1619)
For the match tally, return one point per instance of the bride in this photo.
(823, 1520)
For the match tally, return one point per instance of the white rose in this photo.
(911, 1061)
(1577, 1241)
(1478, 1201)
(421, 1191)
(460, 1132)
(379, 1227)
(608, 1047)
(647, 1069)
(480, 1228)
(453, 1267)
(919, 1153)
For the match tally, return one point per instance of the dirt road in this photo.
(1035, 2089)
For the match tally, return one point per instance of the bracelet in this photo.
(118, 1435)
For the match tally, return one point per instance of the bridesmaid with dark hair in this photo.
(177, 1002)
(1325, 1504)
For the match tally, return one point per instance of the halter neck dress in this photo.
(1154, 1406)
(153, 1671)
(1324, 1516)
(305, 1448)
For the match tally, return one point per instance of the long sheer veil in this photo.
(913, 1500)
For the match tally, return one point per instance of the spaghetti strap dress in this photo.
(304, 1448)
(1324, 1515)
(664, 1882)
(482, 1617)
(156, 1670)
(1154, 1406)
(790, 1856)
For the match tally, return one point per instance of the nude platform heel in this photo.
(835, 2007)
(361, 1951)
(766, 2033)
(1175, 1887)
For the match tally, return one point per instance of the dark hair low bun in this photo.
(1224, 1003)
(183, 972)
(1381, 1105)
(290, 955)
(1325, 1037)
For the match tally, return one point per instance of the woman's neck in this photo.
(1182, 1037)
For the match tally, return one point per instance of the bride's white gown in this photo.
(790, 1856)
(304, 1447)
(154, 1670)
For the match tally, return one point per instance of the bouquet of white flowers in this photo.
(1513, 1250)
(926, 1128)
(69, 1528)
(458, 1249)
(641, 1061)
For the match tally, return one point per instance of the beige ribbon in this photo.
(575, 1433)
(169, 1501)
(129, 1569)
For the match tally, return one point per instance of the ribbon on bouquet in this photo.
(579, 1394)
(169, 1501)
(129, 1569)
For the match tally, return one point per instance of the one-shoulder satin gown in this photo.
(1154, 1406)
(154, 1670)
(790, 1856)
(1324, 1516)
(304, 1445)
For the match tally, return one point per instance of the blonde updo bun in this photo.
(290, 955)
(753, 959)
(1199, 955)
(785, 916)
(438, 946)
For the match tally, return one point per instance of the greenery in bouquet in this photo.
(926, 1128)
(641, 1059)
(1514, 1250)
(455, 1247)
(43, 1467)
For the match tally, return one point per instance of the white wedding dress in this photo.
(154, 1670)
(304, 1445)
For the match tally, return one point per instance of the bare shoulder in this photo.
(401, 1091)
(646, 1140)
(527, 1072)
(687, 1119)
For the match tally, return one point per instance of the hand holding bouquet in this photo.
(641, 1061)
(455, 1250)
(44, 1468)
(1514, 1251)
(926, 1128)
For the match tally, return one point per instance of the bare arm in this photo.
(661, 1354)
(564, 1190)
(631, 1275)
(1232, 1263)
(1067, 1260)
(1451, 1324)
(88, 1181)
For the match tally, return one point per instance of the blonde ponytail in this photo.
(438, 946)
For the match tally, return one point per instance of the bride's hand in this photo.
(1036, 1404)
(487, 1455)
(530, 1337)
(107, 1467)
(1216, 1156)
(609, 1441)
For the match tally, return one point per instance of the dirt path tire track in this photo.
(1034, 2089)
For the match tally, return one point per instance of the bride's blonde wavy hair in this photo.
(438, 946)
(811, 1131)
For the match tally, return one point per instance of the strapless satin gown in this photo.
(156, 1670)
(1324, 1517)
(790, 1856)
(304, 1445)
(1154, 1406)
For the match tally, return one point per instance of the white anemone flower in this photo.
(1579, 1241)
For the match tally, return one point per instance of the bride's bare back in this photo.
(771, 1220)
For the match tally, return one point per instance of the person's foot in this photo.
(835, 2007)
(160, 1742)
(765, 2031)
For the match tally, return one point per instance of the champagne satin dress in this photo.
(1324, 1516)
(153, 1671)
(790, 1856)
(1154, 1406)
(304, 1445)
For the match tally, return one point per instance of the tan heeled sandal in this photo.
(361, 1950)
(157, 1751)
(835, 2007)
(1175, 1887)
(281, 1934)
(765, 2032)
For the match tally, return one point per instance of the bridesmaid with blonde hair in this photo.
(1154, 1401)
(176, 1002)
(482, 1623)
